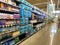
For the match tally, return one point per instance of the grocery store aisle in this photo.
(50, 35)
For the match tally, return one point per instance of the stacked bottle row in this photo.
(25, 14)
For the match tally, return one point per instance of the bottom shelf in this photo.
(23, 39)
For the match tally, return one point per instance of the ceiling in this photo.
(41, 4)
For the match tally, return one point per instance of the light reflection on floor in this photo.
(53, 32)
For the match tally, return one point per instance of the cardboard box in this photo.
(16, 33)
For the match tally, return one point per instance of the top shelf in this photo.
(8, 11)
(10, 4)
(22, 3)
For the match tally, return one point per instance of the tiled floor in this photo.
(50, 35)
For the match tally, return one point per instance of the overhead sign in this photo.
(50, 7)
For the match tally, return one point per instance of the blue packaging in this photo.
(6, 43)
(22, 31)
(28, 32)
(27, 28)
(1, 23)
(11, 42)
(26, 22)
(22, 27)
(26, 7)
(25, 13)
(22, 21)
(30, 5)
(26, 19)
(22, 6)
(29, 14)
(22, 1)
(21, 11)
(30, 9)
(26, 3)
(30, 27)
(1, 30)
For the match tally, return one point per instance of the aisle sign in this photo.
(50, 8)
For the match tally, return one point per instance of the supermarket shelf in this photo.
(39, 24)
(21, 40)
(3, 41)
(6, 40)
(26, 5)
(26, 24)
(28, 10)
(7, 11)
(27, 37)
(24, 39)
(9, 39)
(33, 21)
(37, 13)
(8, 32)
(10, 4)
(9, 19)
(6, 26)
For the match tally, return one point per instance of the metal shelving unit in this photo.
(8, 11)
(10, 4)
(7, 40)
(15, 12)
